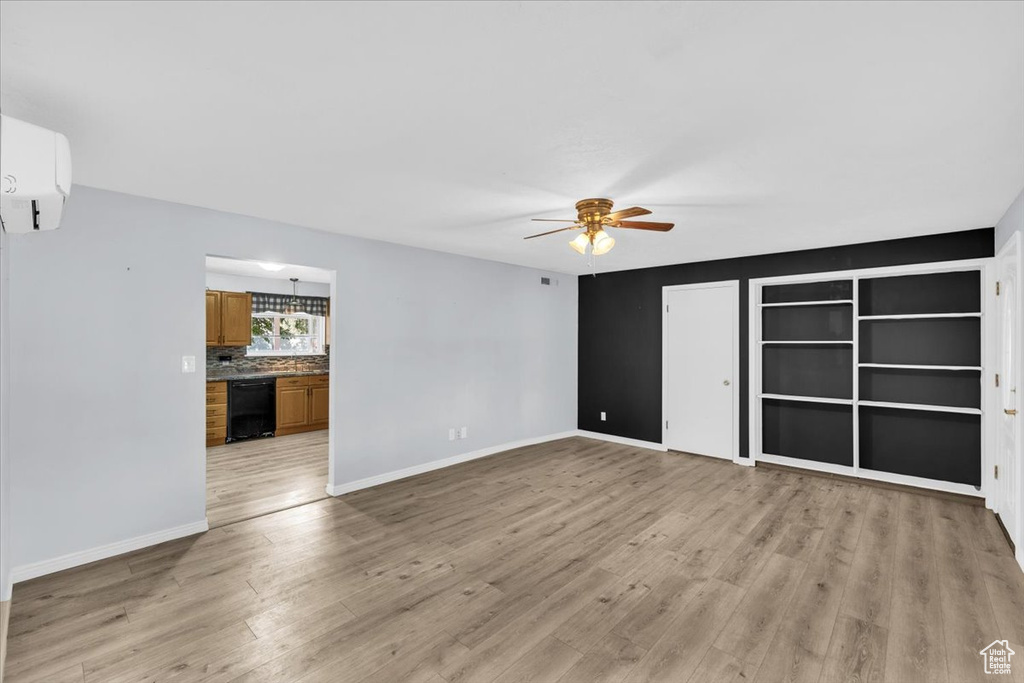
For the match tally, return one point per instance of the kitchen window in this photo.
(286, 334)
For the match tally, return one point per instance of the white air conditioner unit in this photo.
(35, 176)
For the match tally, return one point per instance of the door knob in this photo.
(725, 382)
(1010, 411)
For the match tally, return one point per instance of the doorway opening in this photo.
(268, 397)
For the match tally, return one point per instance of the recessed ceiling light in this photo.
(272, 267)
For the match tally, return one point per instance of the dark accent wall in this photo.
(620, 321)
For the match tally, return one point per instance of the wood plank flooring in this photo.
(247, 479)
(572, 561)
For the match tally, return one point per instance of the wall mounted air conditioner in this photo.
(35, 176)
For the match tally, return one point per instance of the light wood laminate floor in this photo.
(572, 561)
(246, 479)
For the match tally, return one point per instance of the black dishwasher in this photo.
(252, 410)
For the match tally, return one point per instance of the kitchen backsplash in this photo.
(240, 364)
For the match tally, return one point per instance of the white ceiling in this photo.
(756, 127)
(230, 266)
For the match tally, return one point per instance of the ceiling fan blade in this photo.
(625, 213)
(644, 225)
(551, 232)
(555, 220)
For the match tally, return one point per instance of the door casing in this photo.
(734, 286)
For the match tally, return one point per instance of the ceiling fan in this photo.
(594, 215)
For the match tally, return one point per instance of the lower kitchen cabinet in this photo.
(216, 413)
(302, 404)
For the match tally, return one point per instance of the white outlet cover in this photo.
(464, 432)
(603, 416)
(188, 364)
(451, 434)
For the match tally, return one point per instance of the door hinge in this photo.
(997, 288)
(997, 471)
(997, 379)
(666, 308)
(666, 424)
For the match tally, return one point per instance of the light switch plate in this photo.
(188, 364)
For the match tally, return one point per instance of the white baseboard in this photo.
(377, 480)
(36, 569)
(636, 443)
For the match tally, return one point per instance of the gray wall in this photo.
(107, 436)
(1011, 222)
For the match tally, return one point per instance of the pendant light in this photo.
(293, 304)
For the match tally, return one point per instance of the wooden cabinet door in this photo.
(236, 318)
(319, 406)
(292, 407)
(212, 318)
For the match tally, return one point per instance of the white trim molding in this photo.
(37, 569)
(378, 479)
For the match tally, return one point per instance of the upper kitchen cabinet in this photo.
(228, 318)
(212, 318)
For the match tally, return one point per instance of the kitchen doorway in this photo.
(267, 389)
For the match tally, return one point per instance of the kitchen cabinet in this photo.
(212, 318)
(216, 413)
(302, 404)
(319, 402)
(228, 318)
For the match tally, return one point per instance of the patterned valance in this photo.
(280, 303)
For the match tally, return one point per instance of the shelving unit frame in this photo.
(758, 396)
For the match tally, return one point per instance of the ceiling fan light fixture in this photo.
(579, 244)
(603, 243)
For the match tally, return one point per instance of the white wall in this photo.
(1011, 222)
(5, 479)
(107, 438)
(245, 283)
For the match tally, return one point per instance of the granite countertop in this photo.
(263, 375)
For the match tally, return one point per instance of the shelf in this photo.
(823, 341)
(919, 316)
(807, 399)
(808, 303)
(920, 406)
(967, 368)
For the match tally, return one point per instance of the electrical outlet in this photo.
(188, 364)
(464, 433)
(451, 434)
(604, 416)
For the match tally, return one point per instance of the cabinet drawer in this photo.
(216, 433)
(320, 380)
(219, 410)
(292, 382)
(216, 387)
(220, 421)
(218, 399)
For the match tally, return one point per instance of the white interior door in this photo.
(1008, 484)
(701, 323)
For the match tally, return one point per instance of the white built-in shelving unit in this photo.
(871, 374)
